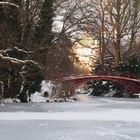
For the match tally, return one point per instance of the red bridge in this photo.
(130, 85)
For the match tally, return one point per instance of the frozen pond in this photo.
(88, 119)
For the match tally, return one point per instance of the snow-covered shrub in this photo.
(20, 76)
(103, 88)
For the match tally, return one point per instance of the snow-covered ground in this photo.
(90, 118)
(47, 87)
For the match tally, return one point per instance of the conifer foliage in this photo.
(131, 69)
(44, 33)
(23, 30)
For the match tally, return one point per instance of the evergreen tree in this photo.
(122, 68)
(134, 66)
(101, 88)
(44, 33)
(10, 25)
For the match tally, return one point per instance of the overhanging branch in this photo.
(9, 4)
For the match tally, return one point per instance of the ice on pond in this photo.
(93, 118)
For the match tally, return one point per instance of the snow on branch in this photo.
(17, 61)
(9, 4)
(15, 49)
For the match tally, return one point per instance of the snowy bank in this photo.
(47, 94)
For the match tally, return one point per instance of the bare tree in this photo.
(71, 15)
(134, 22)
(111, 22)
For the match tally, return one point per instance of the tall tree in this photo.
(134, 22)
(111, 18)
(44, 35)
(10, 24)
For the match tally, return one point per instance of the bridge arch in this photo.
(131, 86)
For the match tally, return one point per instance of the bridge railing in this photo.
(127, 75)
